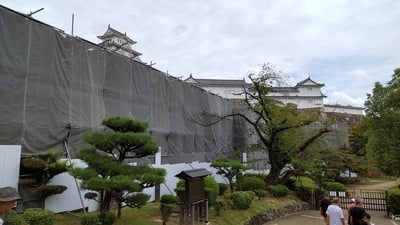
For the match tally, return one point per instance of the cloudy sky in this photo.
(346, 44)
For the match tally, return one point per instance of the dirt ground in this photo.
(377, 185)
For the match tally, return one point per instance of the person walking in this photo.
(334, 213)
(323, 206)
(357, 213)
(348, 207)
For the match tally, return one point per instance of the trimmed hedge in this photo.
(242, 199)
(168, 199)
(107, 218)
(260, 193)
(393, 201)
(13, 219)
(222, 204)
(334, 186)
(35, 216)
(278, 190)
(90, 220)
(250, 183)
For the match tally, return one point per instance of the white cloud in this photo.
(342, 98)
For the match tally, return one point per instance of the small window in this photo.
(309, 88)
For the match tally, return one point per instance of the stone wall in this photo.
(275, 213)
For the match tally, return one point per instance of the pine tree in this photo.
(107, 175)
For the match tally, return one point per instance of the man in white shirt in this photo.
(335, 213)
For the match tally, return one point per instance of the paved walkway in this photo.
(312, 217)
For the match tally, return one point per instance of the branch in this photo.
(313, 138)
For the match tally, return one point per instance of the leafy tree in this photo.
(229, 168)
(284, 132)
(38, 170)
(358, 139)
(107, 175)
(357, 146)
(383, 125)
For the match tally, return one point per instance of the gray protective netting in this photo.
(50, 79)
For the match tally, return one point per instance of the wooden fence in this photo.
(373, 200)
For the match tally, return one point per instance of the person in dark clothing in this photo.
(323, 206)
(357, 213)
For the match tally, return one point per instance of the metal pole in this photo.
(66, 146)
(72, 25)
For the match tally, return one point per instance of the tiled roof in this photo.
(301, 83)
(193, 173)
(219, 82)
(284, 89)
(115, 33)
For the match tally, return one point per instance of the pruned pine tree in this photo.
(229, 168)
(107, 175)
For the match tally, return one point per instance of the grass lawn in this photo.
(150, 214)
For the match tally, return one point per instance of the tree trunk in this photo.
(273, 175)
(231, 185)
(119, 209)
(106, 201)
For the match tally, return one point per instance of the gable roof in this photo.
(190, 174)
(111, 32)
(308, 82)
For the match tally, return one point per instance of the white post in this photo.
(244, 157)
(157, 160)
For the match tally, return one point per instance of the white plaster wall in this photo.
(9, 165)
(69, 200)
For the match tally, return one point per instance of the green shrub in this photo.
(107, 218)
(304, 193)
(90, 220)
(212, 189)
(250, 183)
(222, 188)
(393, 201)
(180, 192)
(251, 194)
(260, 193)
(347, 180)
(13, 219)
(166, 210)
(44, 191)
(169, 203)
(278, 190)
(291, 183)
(168, 199)
(333, 186)
(222, 204)
(37, 216)
(241, 199)
(304, 182)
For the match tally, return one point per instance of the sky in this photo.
(348, 45)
